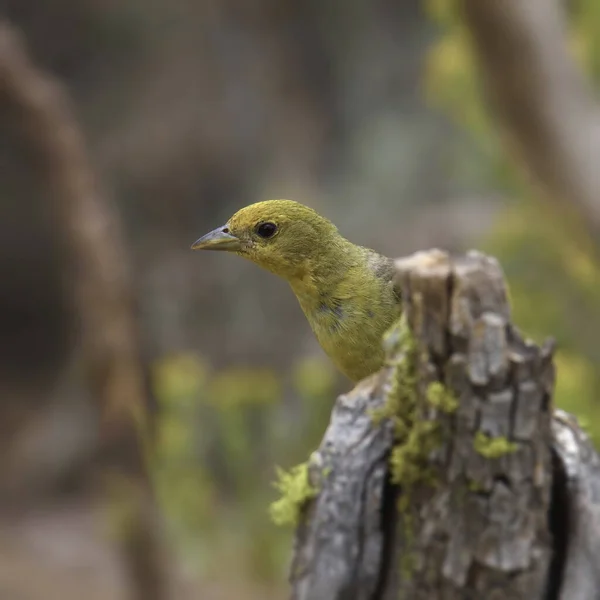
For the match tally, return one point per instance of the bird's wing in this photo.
(385, 270)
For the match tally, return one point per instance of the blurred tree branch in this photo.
(102, 297)
(541, 96)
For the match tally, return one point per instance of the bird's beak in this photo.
(218, 239)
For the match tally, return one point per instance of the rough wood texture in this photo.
(490, 527)
(577, 513)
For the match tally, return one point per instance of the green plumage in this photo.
(346, 291)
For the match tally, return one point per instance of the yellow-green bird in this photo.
(346, 291)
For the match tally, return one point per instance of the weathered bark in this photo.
(102, 298)
(483, 527)
(540, 96)
(576, 510)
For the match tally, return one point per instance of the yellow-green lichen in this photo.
(493, 447)
(415, 438)
(295, 489)
(400, 400)
(398, 337)
(408, 459)
(440, 397)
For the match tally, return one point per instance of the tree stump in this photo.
(448, 475)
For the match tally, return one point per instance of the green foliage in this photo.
(576, 387)
(237, 387)
(552, 267)
(314, 381)
(315, 384)
(313, 378)
(295, 489)
(585, 35)
(181, 484)
(219, 435)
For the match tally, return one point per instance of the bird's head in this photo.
(282, 236)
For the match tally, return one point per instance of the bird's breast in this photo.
(350, 334)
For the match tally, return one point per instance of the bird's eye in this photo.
(266, 230)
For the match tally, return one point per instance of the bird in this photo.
(346, 291)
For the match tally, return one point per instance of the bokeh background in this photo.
(371, 113)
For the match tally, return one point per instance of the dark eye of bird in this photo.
(266, 230)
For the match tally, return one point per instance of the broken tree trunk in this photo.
(446, 474)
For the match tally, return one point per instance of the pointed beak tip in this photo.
(199, 244)
(218, 239)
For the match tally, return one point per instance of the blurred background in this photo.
(190, 110)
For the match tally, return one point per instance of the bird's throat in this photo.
(321, 280)
(349, 307)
